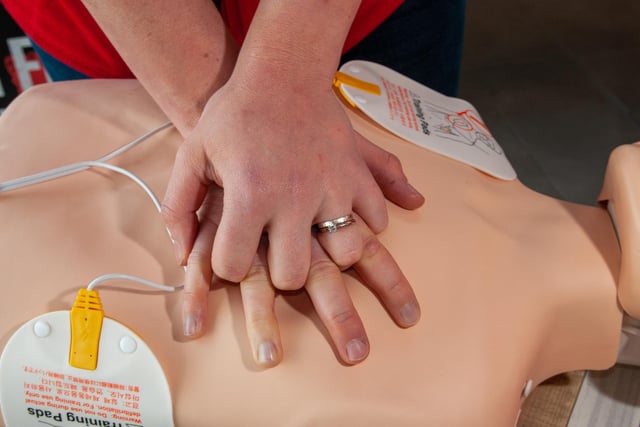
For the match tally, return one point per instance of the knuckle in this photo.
(396, 286)
(192, 294)
(345, 252)
(251, 196)
(258, 302)
(196, 289)
(260, 317)
(169, 214)
(348, 256)
(342, 317)
(393, 162)
(292, 282)
(323, 269)
(199, 283)
(197, 257)
(371, 246)
(379, 223)
(390, 168)
(258, 274)
(229, 272)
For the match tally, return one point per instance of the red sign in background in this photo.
(20, 67)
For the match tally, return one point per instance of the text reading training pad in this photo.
(39, 388)
(448, 126)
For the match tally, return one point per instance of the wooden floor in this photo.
(609, 398)
(552, 402)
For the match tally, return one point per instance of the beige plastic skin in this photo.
(620, 192)
(513, 285)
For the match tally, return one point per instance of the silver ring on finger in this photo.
(333, 225)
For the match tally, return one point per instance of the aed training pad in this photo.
(39, 387)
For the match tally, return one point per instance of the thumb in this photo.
(387, 171)
(185, 193)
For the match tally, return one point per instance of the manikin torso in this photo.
(513, 285)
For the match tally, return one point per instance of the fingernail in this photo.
(410, 313)
(191, 325)
(266, 352)
(414, 192)
(356, 350)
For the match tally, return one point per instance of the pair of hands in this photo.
(259, 168)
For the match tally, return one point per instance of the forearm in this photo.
(295, 44)
(180, 51)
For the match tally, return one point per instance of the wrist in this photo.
(295, 45)
(282, 73)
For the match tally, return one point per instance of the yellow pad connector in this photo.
(86, 324)
(341, 78)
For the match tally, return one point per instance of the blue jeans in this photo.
(422, 39)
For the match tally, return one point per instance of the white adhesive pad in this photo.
(448, 126)
(39, 388)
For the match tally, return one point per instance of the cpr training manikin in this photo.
(514, 286)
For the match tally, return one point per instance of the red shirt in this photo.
(238, 15)
(65, 30)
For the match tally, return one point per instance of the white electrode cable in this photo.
(48, 175)
(70, 169)
(116, 276)
(121, 171)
